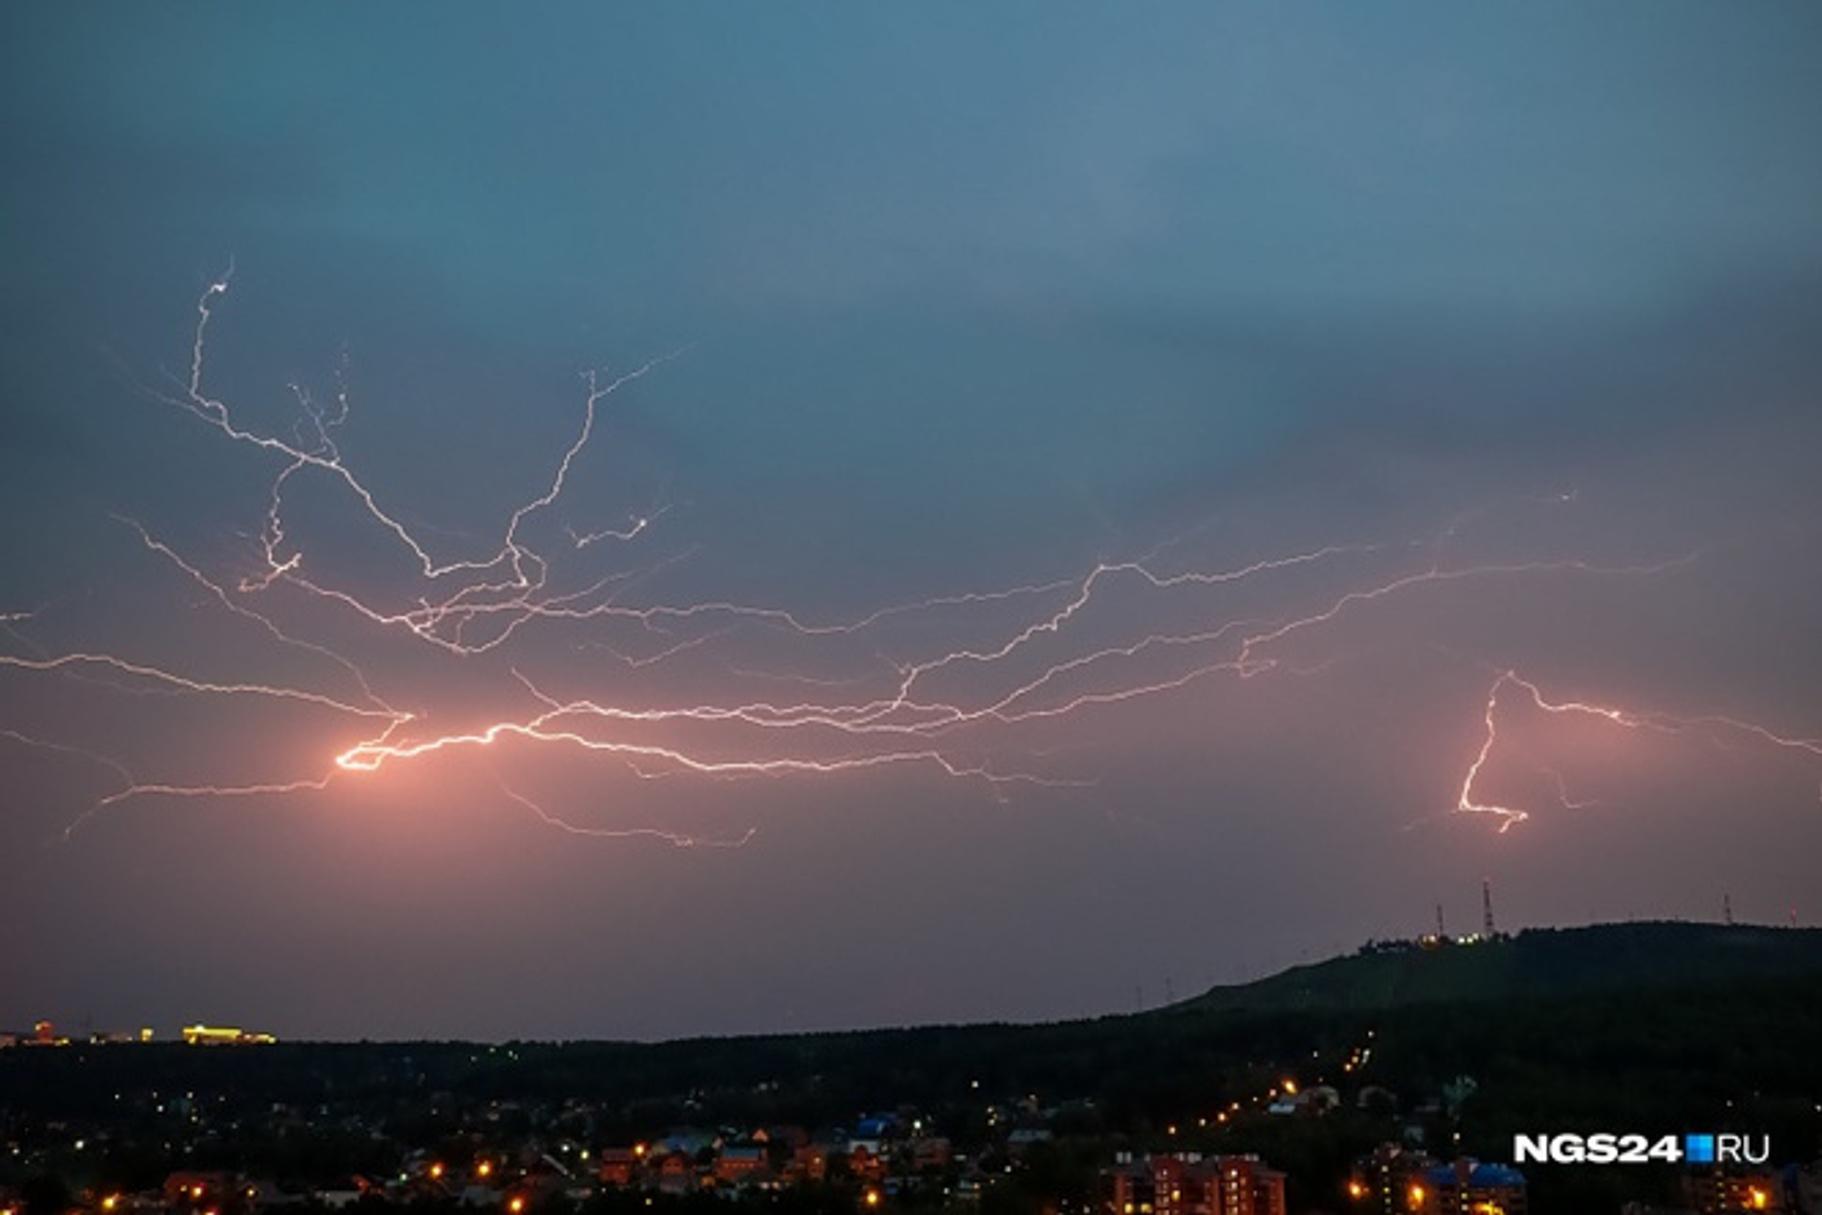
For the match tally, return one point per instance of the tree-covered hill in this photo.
(1535, 963)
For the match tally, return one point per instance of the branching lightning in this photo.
(959, 711)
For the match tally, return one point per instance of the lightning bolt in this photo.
(674, 839)
(954, 708)
(1616, 715)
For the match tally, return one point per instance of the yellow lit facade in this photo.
(224, 1035)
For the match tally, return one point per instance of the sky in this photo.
(1072, 505)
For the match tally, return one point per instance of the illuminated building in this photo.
(739, 1163)
(1714, 1192)
(1318, 1099)
(193, 1189)
(1189, 1183)
(1466, 1187)
(1382, 1182)
(44, 1033)
(810, 1162)
(617, 1166)
(677, 1172)
(222, 1035)
(866, 1163)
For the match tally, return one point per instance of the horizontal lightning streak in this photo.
(472, 606)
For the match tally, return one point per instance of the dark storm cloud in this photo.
(972, 295)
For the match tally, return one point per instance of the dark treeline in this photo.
(1739, 1051)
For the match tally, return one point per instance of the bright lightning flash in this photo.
(891, 712)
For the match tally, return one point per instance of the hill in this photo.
(1657, 1026)
(1537, 963)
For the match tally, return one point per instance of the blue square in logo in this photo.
(1698, 1149)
